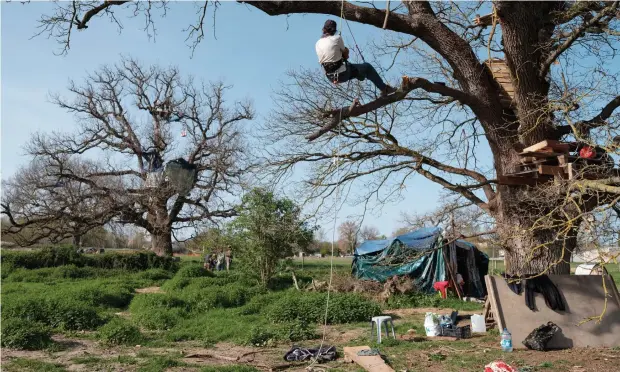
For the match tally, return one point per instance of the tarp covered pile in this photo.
(421, 255)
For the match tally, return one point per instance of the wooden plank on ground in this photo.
(551, 144)
(370, 363)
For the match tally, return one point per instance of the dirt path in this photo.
(418, 355)
(149, 290)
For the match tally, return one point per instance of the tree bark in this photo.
(77, 240)
(531, 242)
(161, 242)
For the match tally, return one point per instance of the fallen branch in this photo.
(408, 84)
(295, 280)
(213, 356)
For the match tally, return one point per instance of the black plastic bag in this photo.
(298, 354)
(538, 338)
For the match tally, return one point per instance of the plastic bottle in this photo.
(506, 341)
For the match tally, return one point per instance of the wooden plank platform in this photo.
(370, 363)
(556, 172)
(549, 145)
(538, 154)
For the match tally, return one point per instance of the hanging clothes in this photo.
(538, 284)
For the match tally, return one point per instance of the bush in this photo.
(101, 294)
(157, 311)
(155, 274)
(202, 299)
(193, 271)
(310, 308)
(72, 315)
(24, 334)
(32, 309)
(119, 332)
(299, 331)
(259, 303)
(60, 256)
(58, 312)
(261, 337)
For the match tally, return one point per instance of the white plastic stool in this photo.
(379, 320)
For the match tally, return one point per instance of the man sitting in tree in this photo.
(333, 56)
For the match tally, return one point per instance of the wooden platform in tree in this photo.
(552, 160)
(501, 73)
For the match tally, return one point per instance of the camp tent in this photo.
(423, 255)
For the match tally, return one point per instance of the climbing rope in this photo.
(337, 209)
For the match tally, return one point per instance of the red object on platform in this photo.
(587, 152)
(441, 287)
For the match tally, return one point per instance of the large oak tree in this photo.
(451, 107)
(131, 119)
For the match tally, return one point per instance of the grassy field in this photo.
(142, 313)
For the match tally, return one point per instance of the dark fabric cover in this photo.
(299, 354)
(538, 339)
(181, 175)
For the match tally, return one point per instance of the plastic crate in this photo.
(458, 332)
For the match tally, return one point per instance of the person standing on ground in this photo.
(220, 260)
(228, 257)
(207, 260)
(333, 56)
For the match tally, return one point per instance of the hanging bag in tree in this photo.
(181, 175)
(538, 339)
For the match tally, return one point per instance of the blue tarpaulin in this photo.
(420, 255)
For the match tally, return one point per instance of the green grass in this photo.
(31, 365)
(87, 360)
(206, 308)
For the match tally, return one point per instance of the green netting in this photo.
(425, 267)
(181, 175)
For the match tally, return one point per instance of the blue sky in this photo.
(252, 52)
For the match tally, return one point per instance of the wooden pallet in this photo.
(501, 73)
(489, 318)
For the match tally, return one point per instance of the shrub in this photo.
(261, 337)
(351, 307)
(60, 256)
(258, 303)
(101, 294)
(119, 332)
(157, 311)
(72, 315)
(24, 334)
(32, 309)
(57, 312)
(202, 299)
(176, 284)
(155, 274)
(193, 271)
(299, 331)
(310, 308)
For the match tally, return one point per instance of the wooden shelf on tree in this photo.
(501, 73)
(551, 160)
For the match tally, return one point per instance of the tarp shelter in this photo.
(424, 256)
(181, 175)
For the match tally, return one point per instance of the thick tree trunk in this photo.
(161, 242)
(534, 238)
(77, 240)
